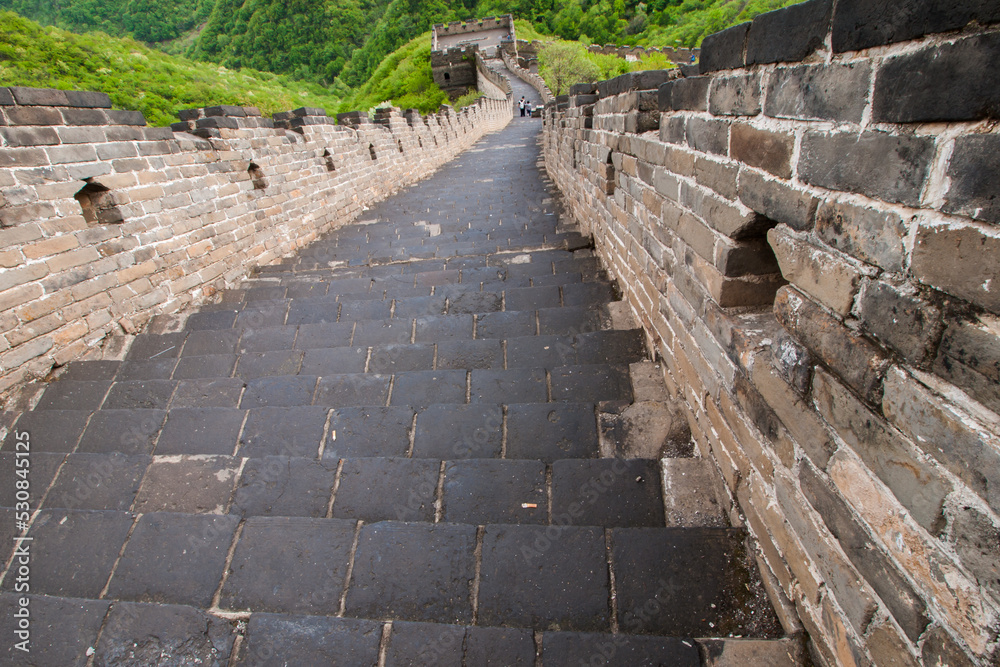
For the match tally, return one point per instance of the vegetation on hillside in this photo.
(403, 78)
(137, 77)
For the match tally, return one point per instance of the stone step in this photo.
(686, 582)
(139, 633)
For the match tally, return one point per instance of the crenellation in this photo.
(808, 240)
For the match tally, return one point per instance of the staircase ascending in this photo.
(395, 448)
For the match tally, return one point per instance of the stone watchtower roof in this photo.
(485, 32)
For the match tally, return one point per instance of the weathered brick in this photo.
(963, 260)
(976, 536)
(29, 136)
(685, 94)
(824, 276)
(724, 49)
(770, 151)
(888, 647)
(84, 117)
(974, 178)
(11, 216)
(737, 95)
(23, 157)
(902, 319)
(788, 34)
(940, 650)
(881, 165)
(777, 201)
(6, 99)
(949, 82)
(945, 433)
(23, 353)
(731, 219)
(88, 99)
(673, 129)
(824, 92)
(898, 595)
(716, 175)
(859, 24)
(919, 486)
(969, 357)
(855, 359)
(80, 135)
(50, 246)
(710, 136)
(33, 116)
(120, 117)
(870, 235)
(46, 97)
(74, 153)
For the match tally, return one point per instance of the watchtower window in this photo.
(98, 205)
(371, 151)
(256, 176)
(328, 159)
(447, 76)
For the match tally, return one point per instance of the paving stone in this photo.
(283, 486)
(174, 559)
(284, 391)
(313, 311)
(126, 431)
(469, 354)
(607, 492)
(275, 431)
(505, 325)
(364, 310)
(71, 395)
(213, 319)
(419, 306)
(139, 394)
(520, 384)
(265, 364)
(499, 647)
(459, 431)
(368, 431)
(258, 314)
(540, 352)
(429, 387)
(380, 489)
(435, 328)
(146, 347)
(610, 347)
(208, 393)
(587, 294)
(493, 491)
(413, 571)
(266, 339)
(210, 342)
(90, 370)
(192, 484)
(140, 634)
(279, 640)
(591, 383)
(205, 366)
(621, 650)
(397, 358)
(49, 430)
(569, 320)
(551, 431)
(337, 391)
(200, 431)
(687, 582)
(72, 552)
(381, 332)
(324, 335)
(61, 631)
(97, 481)
(544, 578)
(155, 369)
(42, 469)
(418, 644)
(289, 564)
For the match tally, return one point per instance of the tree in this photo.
(566, 64)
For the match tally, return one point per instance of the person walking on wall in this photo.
(527, 108)
(520, 105)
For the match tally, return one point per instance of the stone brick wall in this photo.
(454, 70)
(532, 79)
(490, 82)
(678, 55)
(808, 231)
(105, 222)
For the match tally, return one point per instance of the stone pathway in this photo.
(386, 450)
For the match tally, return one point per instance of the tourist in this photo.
(520, 105)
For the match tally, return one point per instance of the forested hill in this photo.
(340, 43)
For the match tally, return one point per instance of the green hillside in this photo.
(138, 77)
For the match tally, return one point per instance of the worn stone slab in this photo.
(284, 486)
(435, 328)
(207, 393)
(544, 578)
(274, 431)
(469, 354)
(607, 492)
(337, 391)
(174, 559)
(376, 489)
(265, 339)
(137, 635)
(493, 491)
(97, 481)
(73, 551)
(289, 564)
(324, 335)
(278, 640)
(498, 386)
(597, 382)
(139, 395)
(499, 647)
(505, 324)
(418, 388)
(331, 361)
(192, 484)
(126, 431)
(368, 431)
(459, 431)
(42, 469)
(151, 369)
(210, 342)
(689, 492)
(72, 395)
(62, 629)
(382, 332)
(200, 431)
(621, 650)
(285, 391)
(544, 351)
(397, 358)
(205, 366)
(49, 430)
(415, 644)
(276, 362)
(154, 346)
(552, 431)
(416, 572)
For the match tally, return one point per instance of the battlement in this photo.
(489, 33)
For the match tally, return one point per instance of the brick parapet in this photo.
(105, 222)
(530, 78)
(809, 237)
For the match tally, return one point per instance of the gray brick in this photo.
(770, 151)
(33, 116)
(29, 136)
(777, 201)
(881, 165)
(735, 95)
(724, 49)
(710, 136)
(88, 99)
(859, 24)
(686, 94)
(47, 97)
(974, 178)
(902, 318)
(76, 153)
(870, 235)
(962, 260)
(823, 92)
(788, 34)
(84, 117)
